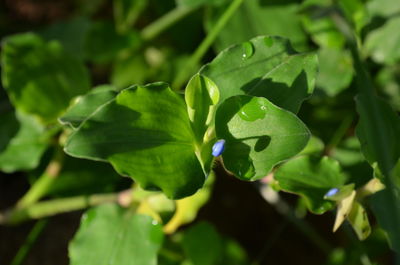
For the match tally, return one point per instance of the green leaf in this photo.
(267, 67)
(87, 104)
(382, 43)
(335, 72)
(41, 78)
(201, 96)
(255, 18)
(110, 235)
(202, 244)
(144, 133)
(314, 146)
(9, 126)
(258, 135)
(311, 178)
(358, 219)
(385, 8)
(130, 70)
(25, 149)
(103, 43)
(80, 176)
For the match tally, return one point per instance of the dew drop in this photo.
(247, 50)
(252, 112)
(268, 41)
(245, 169)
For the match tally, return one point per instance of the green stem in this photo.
(30, 240)
(56, 206)
(340, 133)
(161, 24)
(41, 186)
(205, 44)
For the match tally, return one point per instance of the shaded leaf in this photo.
(258, 135)
(267, 67)
(87, 104)
(311, 178)
(110, 235)
(41, 78)
(25, 149)
(144, 133)
(9, 126)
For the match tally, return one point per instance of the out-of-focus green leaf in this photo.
(196, 3)
(79, 176)
(126, 12)
(103, 43)
(40, 77)
(258, 17)
(258, 135)
(267, 67)
(25, 149)
(129, 70)
(311, 178)
(385, 8)
(87, 104)
(145, 133)
(70, 33)
(314, 146)
(335, 70)
(383, 43)
(202, 244)
(358, 219)
(388, 80)
(112, 235)
(8, 128)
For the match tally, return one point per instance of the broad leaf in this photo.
(335, 72)
(26, 147)
(258, 135)
(258, 17)
(110, 235)
(87, 104)
(202, 244)
(8, 128)
(267, 67)
(382, 43)
(311, 178)
(41, 78)
(145, 133)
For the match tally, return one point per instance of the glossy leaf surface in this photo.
(87, 104)
(311, 178)
(110, 235)
(258, 135)
(40, 77)
(267, 67)
(144, 133)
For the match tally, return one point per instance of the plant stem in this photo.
(340, 133)
(41, 186)
(56, 206)
(30, 240)
(161, 24)
(205, 44)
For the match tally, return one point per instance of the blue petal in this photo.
(218, 148)
(332, 192)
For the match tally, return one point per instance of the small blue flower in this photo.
(332, 192)
(218, 148)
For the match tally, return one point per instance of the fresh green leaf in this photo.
(335, 72)
(87, 104)
(110, 235)
(41, 78)
(258, 135)
(202, 244)
(144, 133)
(255, 18)
(382, 43)
(388, 80)
(358, 219)
(385, 8)
(195, 3)
(314, 146)
(267, 67)
(311, 178)
(201, 96)
(25, 149)
(9, 127)
(130, 70)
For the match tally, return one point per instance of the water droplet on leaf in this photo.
(252, 112)
(245, 169)
(247, 50)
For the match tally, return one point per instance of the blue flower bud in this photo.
(218, 148)
(332, 192)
